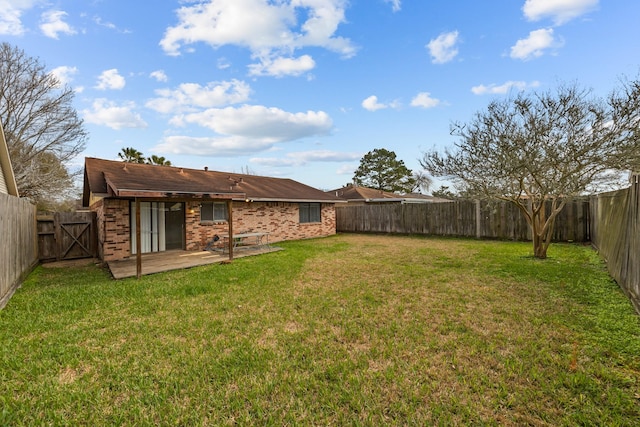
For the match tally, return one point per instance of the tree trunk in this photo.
(542, 227)
(539, 242)
(539, 248)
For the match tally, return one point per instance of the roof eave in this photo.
(269, 199)
(123, 192)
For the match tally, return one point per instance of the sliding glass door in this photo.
(174, 225)
(161, 226)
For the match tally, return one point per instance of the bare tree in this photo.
(43, 131)
(540, 150)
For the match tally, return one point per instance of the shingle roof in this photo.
(127, 179)
(352, 192)
(355, 193)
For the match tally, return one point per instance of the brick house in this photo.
(184, 208)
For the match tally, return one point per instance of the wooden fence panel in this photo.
(76, 234)
(47, 249)
(67, 235)
(462, 218)
(615, 230)
(18, 243)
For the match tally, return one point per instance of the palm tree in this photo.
(131, 155)
(158, 160)
(422, 181)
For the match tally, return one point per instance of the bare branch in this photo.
(42, 129)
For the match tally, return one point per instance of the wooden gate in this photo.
(67, 235)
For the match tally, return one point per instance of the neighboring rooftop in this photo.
(355, 193)
(358, 193)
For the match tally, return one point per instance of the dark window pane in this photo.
(309, 212)
(206, 212)
(213, 211)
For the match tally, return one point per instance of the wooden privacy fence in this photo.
(616, 235)
(463, 218)
(18, 243)
(67, 235)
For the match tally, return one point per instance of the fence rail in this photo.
(464, 218)
(18, 243)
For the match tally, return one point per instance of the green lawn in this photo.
(352, 329)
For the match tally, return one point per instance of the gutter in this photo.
(264, 199)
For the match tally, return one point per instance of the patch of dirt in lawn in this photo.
(71, 263)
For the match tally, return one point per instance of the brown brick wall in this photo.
(113, 228)
(279, 219)
(98, 208)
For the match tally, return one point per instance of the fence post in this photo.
(478, 220)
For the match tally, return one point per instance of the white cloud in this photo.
(110, 25)
(259, 122)
(246, 129)
(347, 169)
(534, 45)
(395, 4)
(304, 157)
(159, 75)
(443, 48)
(10, 16)
(268, 29)
(280, 67)
(561, 11)
(424, 100)
(106, 24)
(192, 96)
(372, 104)
(211, 146)
(108, 113)
(64, 74)
(110, 79)
(223, 63)
(53, 24)
(504, 88)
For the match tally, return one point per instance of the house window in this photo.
(213, 211)
(309, 212)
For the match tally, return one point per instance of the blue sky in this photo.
(302, 89)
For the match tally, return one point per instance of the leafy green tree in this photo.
(380, 169)
(444, 193)
(539, 150)
(43, 131)
(131, 155)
